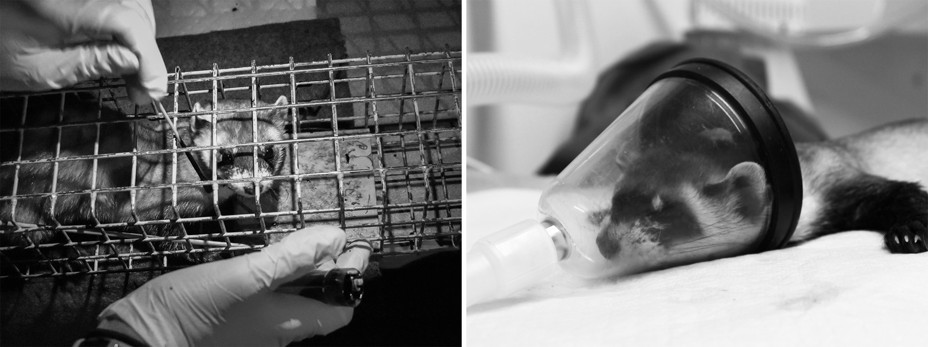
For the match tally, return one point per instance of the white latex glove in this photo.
(52, 44)
(232, 302)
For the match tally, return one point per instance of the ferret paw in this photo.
(908, 238)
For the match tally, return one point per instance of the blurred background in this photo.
(835, 67)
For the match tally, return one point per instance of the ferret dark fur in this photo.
(152, 170)
(870, 181)
(674, 193)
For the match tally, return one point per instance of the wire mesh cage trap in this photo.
(92, 183)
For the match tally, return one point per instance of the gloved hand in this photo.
(232, 302)
(48, 44)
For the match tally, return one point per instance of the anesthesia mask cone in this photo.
(699, 167)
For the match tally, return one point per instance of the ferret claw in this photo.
(908, 238)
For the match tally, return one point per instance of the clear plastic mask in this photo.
(699, 167)
(676, 179)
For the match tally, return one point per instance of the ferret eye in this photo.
(225, 158)
(268, 152)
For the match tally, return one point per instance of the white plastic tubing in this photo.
(890, 14)
(501, 78)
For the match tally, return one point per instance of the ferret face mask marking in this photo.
(239, 128)
(681, 213)
(685, 174)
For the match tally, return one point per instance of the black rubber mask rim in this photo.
(778, 154)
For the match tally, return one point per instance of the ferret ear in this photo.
(281, 114)
(200, 122)
(282, 100)
(746, 182)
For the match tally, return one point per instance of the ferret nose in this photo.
(249, 189)
(607, 242)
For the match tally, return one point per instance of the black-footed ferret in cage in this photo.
(58, 186)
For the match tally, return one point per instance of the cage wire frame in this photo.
(402, 112)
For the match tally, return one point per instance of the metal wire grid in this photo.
(386, 159)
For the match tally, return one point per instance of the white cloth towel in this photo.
(844, 289)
